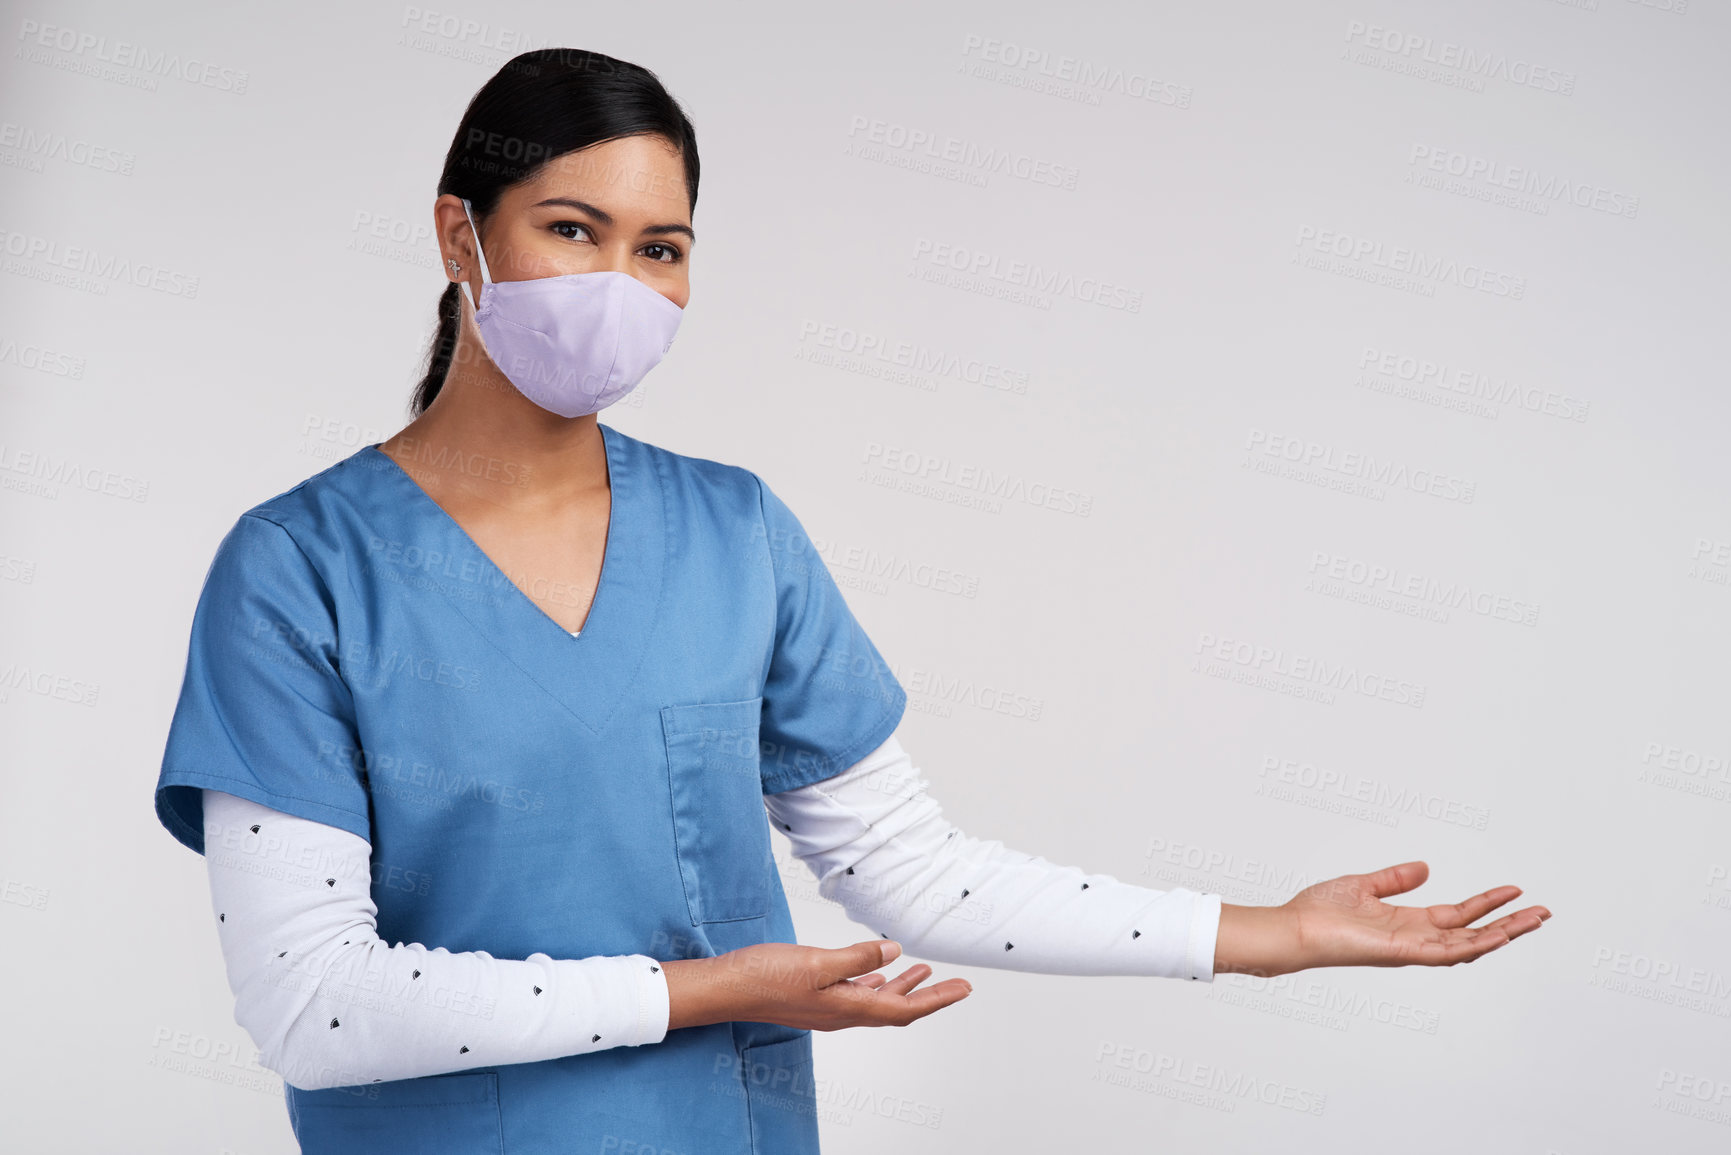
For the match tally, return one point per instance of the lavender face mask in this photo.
(573, 344)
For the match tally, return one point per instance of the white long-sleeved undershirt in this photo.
(879, 844)
(329, 1004)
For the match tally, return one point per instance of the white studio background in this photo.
(1269, 442)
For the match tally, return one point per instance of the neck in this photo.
(482, 438)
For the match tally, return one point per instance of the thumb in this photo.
(846, 962)
(1397, 879)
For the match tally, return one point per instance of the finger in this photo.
(1460, 946)
(907, 980)
(1452, 915)
(875, 980)
(1397, 879)
(860, 958)
(1481, 944)
(1521, 922)
(901, 1010)
(1467, 944)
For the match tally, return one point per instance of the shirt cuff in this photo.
(654, 1008)
(622, 998)
(1204, 932)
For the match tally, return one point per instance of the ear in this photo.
(457, 248)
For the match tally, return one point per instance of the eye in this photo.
(557, 225)
(674, 255)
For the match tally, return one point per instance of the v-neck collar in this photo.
(588, 674)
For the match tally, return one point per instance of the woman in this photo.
(516, 685)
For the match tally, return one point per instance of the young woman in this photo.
(483, 727)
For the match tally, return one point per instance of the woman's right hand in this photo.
(805, 987)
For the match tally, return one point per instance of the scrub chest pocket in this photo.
(720, 826)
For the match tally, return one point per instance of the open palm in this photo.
(1344, 922)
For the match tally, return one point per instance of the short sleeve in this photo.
(829, 698)
(263, 713)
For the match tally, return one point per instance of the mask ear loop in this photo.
(486, 278)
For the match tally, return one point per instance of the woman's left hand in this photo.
(1344, 922)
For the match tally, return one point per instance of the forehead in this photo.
(633, 174)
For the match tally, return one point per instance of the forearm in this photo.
(879, 845)
(980, 903)
(330, 1004)
(362, 1014)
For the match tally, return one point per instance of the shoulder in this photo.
(302, 503)
(298, 527)
(738, 504)
(716, 485)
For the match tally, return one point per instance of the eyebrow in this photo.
(607, 219)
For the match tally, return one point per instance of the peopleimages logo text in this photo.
(1400, 259)
(1448, 54)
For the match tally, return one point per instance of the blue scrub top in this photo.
(357, 659)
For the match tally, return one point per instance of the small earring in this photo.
(453, 266)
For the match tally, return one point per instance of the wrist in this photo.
(1257, 940)
(701, 991)
(690, 995)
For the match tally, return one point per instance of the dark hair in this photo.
(539, 106)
